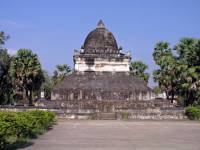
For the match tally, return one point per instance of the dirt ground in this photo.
(119, 135)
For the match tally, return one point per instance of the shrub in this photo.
(4, 132)
(22, 125)
(125, 115)
(44, 118)
(193, 113)
(26, 125)
(7, 127)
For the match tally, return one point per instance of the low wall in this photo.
(104, 106)
(157, 114)
(132, 114)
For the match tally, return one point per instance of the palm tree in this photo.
(26, 72)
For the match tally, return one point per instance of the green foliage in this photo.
(138, 69)
(125, 115)
(23, 124)
(179, 73)
(49, 82)
(188, 50)
(197, 98)
(3, 38)
(193, 113)
(7, 127)
(47, 85)
(20, 76)
(161, 53)
(181, 101)
(44, 119)
(5, 78)
(166, 74)
(60, 72)
(26, 72)
(157, 90)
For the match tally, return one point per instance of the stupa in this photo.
(102, 87)
(101, 72)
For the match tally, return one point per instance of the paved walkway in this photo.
(120, 135)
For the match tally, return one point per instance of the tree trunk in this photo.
(26, 92)
(186, 99)
(30, 98)
(167, 94)
(172, 98)
(190, 98)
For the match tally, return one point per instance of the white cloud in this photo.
(11, 51)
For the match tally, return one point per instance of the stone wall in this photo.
(101, 86)
(156, 114)
(134, 114)
(106, 105)
(100, 95)
(151, 109)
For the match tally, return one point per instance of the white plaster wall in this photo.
(103, 65)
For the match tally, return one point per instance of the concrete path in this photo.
(120, 135)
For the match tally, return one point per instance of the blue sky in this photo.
(54, 28)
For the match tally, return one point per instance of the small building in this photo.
(102, 73)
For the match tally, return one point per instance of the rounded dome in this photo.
(100, 40)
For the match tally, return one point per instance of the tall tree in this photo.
(5, 79)
(5, 84)
(188, 51)
(60, 72)
(138, 69)
(167, 74)
(179, 73)
(26, 72)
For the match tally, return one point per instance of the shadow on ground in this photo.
(18, 144)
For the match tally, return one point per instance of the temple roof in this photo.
(105, 81)
(100, 24)
(100, 40)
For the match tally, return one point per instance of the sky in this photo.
(54, 28)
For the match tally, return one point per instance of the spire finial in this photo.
(100, 24)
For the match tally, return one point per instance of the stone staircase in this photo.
(158, 109)
(106, 116)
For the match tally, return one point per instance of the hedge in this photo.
(193, 113)
(22, 125)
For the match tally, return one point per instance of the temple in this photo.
(102, 72)
(102, 87)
